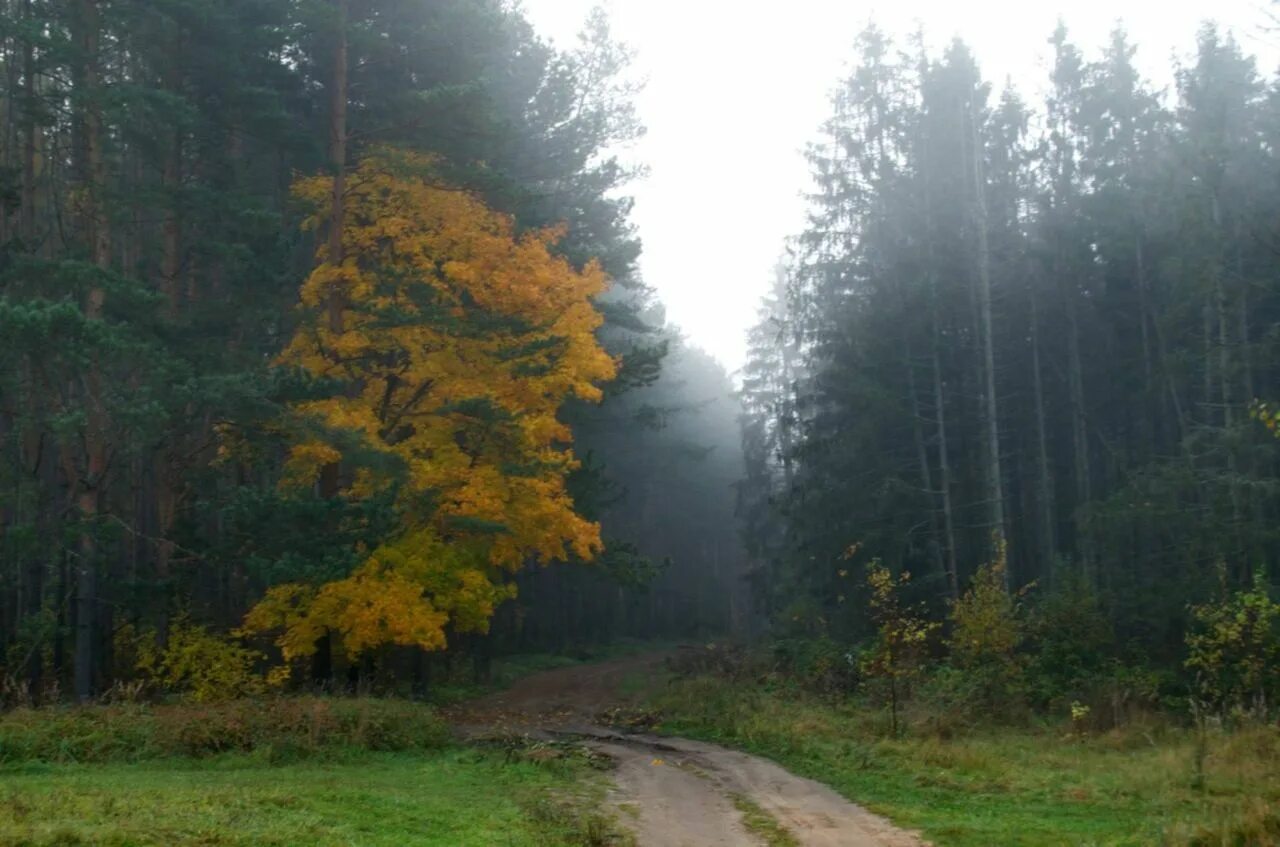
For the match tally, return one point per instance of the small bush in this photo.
(283, 728)
(1071, 643)
(819, 664)
(194, 662)
(987, 630)
(1235, 650)
(897, 655)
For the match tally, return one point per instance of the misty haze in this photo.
(536, 423)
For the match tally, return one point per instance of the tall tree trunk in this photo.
(926, 471)
(338, 160)
(171, 228)
(1206, 316)
(32, 455)
(1045, 498)
(944, 467)
(12, 101)
(330, 476)
(1224, 351)
(1150, 428)
(27, 201)
(1151, 319)
(990, 406)
(1079, 431)
(92, 482)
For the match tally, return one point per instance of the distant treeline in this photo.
(1040, 323)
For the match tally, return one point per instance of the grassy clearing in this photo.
(453, 798)
(285, 771)
(1034, 788)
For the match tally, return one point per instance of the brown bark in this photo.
(171, 228)
(338, 160)
(89, 499)
(27, 201)
(330, 482)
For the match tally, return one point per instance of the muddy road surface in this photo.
(671, 792)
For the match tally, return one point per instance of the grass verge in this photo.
(1005, 787)
(452, 798)
(281, 729)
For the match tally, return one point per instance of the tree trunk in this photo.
(926, 472)
(92, 482)
(944, 470)
(338, 160)
(1224, 352)
(1048, 516)
(995, 482)
(27, 202)
(1079, 431)
(171, 229)
(330, 483)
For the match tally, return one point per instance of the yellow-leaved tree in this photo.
(451, 342)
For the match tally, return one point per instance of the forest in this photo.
(229, 385)
(1031, 344)
(340, 432)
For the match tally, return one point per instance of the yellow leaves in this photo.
(194, 662)
(1234, 648)
(376, 606)
(986, 622)
(304, 463)
(444, 305)
(458, 343)
(404, 593)
(1269, 416)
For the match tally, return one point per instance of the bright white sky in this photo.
(737, 87)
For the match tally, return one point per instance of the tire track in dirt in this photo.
(672, 792)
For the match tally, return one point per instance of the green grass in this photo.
(452, 798)
(282, 728)
(1003, 787)
(766, 828)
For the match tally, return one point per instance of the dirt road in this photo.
(673, 792)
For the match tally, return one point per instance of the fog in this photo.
(735, 90)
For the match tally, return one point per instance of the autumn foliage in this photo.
(448, 343)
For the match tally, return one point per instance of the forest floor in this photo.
(597, 753)
(672, 792)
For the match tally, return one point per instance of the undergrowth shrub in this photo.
(1070, 642)
(897, 655)
(728, 660)
(283, 728)
(987, 631)
(820, 664)
(1235, 651)
(193, 661)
